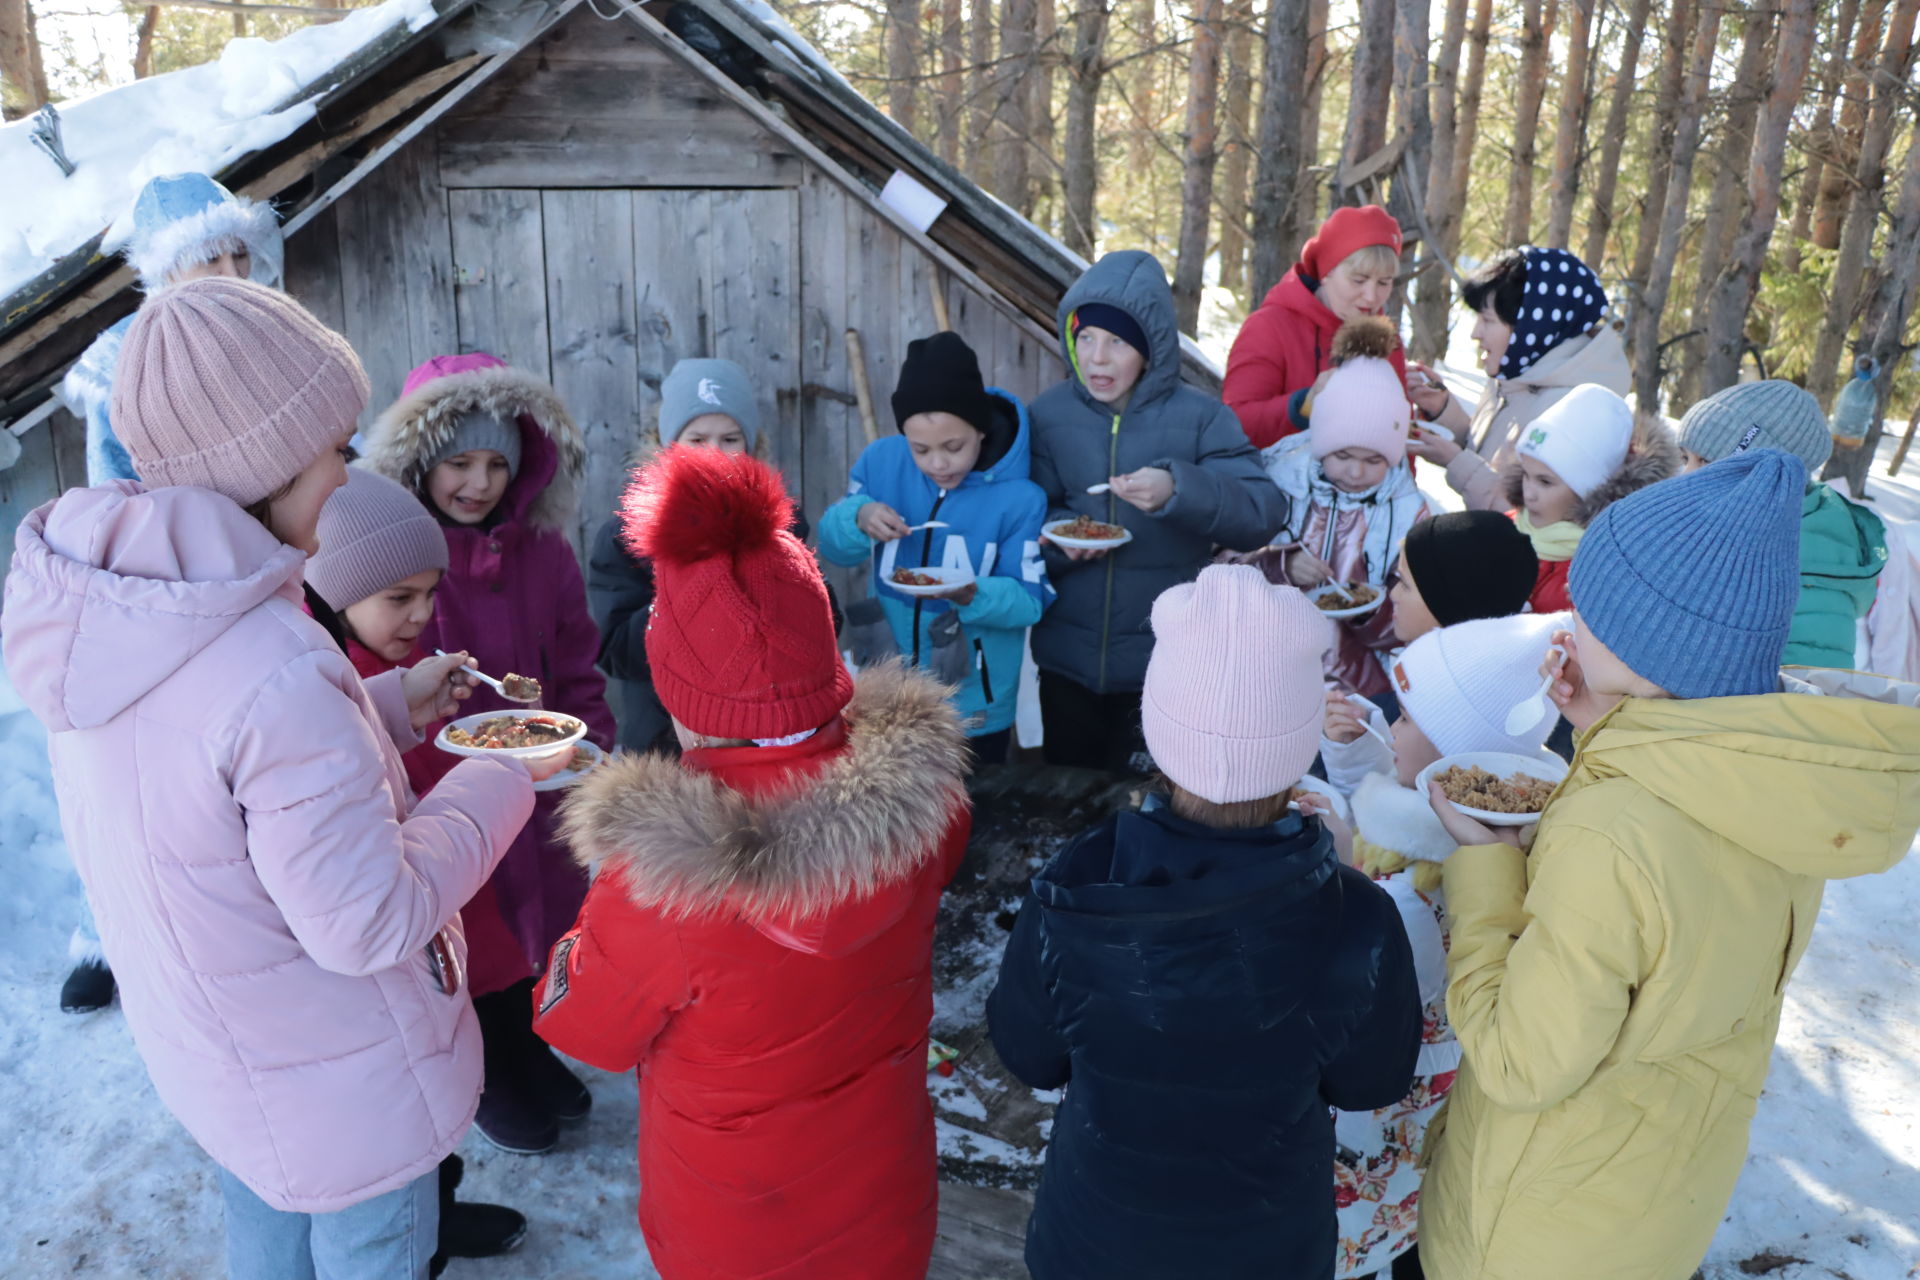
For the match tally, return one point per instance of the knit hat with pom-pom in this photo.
(1364, 405)
(741, 636)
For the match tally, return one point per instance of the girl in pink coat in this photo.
(285, 931)
(497, 459)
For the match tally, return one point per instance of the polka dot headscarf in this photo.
(1562, 299)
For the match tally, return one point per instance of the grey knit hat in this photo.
(478, 429)
(696, 387)
(1758, 415)
(373, 533)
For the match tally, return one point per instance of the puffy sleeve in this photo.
(1020, 1014)
(613, 983)
(1263, 392)
(1223, 492)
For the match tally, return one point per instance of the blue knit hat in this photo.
(1692, 582)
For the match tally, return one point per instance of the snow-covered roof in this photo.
(202, 119)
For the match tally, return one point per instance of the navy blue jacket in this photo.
(1205, 996)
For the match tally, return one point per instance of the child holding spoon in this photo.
(950, 495)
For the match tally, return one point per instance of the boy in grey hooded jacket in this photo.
(1184, 482)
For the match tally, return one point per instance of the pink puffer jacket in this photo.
(233, 798)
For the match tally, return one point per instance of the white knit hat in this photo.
(1584, 437)
(1459, 683)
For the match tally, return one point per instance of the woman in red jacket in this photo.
(758, 940)
(1346, 271)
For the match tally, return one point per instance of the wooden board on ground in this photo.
(982, 1234)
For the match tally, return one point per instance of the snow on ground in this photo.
(202, 118)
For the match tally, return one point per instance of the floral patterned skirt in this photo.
(1376, 1177)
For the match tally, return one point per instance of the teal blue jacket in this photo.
(1843, 548)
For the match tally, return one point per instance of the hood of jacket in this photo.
(183, 219)
(1134, 281)
(1822, 779)
(1841, 540)
(1146, 898)
(1599, 356)
(544, 493)
(795, 862)
(1653, 456)
(114, 588)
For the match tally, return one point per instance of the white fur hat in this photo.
(1459, 683)
(1584, 437)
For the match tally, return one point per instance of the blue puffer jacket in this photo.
(993, 520)
(1205, 996)
(179, 220)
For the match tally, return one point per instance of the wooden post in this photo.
(941, 316)
(862, 389)
(1900, 454)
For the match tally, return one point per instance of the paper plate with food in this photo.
(1500, 788)
(1346, 599)
(1084, 533)
(586, 758)
(929, 580)
(526, 735)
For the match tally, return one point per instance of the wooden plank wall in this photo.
(53, 459)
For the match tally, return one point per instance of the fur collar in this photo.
(1399, 819)
(685, 843)
(416, 426)
(1654, 455)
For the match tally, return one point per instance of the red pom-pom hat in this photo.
(741, 636)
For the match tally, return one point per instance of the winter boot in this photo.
(551, 1082)
(90, 986)
(511, 1116)
(471, 1229)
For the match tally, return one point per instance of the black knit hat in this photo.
(1471, 564)
(942, 375)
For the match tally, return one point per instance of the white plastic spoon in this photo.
(1366, 721)
(496, 685)
(1527, 712)
(931, 524)
(1097, 489)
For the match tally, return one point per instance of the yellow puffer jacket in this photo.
(1617, 991)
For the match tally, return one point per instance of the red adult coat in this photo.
(1284, 345)
(758, 941)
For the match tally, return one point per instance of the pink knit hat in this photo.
(373, 533)
(1233, 701)
(1363, 406)
(232, 386)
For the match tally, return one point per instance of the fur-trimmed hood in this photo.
(403, 440)
(1653, 456)
(684, 843)
(184, 219)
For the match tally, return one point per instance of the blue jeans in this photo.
(390, 1237)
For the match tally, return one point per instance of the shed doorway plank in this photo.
(500, 276)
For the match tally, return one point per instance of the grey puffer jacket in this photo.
(1096, 633)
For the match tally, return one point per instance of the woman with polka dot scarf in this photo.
(1542, 331)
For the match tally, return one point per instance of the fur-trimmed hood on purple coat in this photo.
(232, 796)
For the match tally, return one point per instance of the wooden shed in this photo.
(594, 200)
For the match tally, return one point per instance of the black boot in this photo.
(511, 1116)
(472, 1229)
(88, 988)
(549, 1080)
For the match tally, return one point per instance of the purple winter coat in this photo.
(233, 798)
(513, 596)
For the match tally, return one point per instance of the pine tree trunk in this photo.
(1280, 151)
(22, 77)
(1673, 215)
(1739, 283)
(1413, 120)
(1086, 69)
(1145, 88)
(1435, 292)
(1606, 175)
(1534, 35)
(1370, 92)
(1727, 207)
(1889, 78)
(1683, 17)
(1836, 185)
(143, 42)
(1236, 156)
(1305, 203)
(1043, 168)
(976, 148)
(1569, 141)
(1819, 137)
(1472, 88)
(1887, 318)
(1202, 155)
(1011, 134)
(953, 53)
(903, 59)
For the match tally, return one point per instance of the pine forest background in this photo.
(1744, 177)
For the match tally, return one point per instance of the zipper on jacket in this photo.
(926, 554)
(1106, 613)
(986, 677)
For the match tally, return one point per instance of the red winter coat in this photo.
(512, 596)
(759, 942)
(1284, 345)
(494, 959)
(1550, 588)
